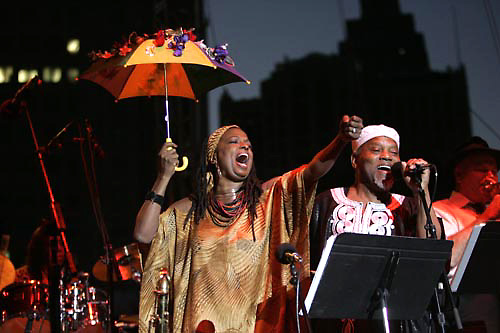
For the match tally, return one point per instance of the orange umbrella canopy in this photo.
(172, 64)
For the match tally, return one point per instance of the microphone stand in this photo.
(299, 300)
(111, 264)
(430, 229)
(54, 269)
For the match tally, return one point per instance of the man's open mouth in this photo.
(384, 168)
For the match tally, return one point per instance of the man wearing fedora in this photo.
(474, 200)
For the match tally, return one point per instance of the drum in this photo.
(85, 308)
(129, 261)
(97, 307)
(73, 305)
(23, 304)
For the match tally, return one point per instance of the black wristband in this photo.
(155, 198)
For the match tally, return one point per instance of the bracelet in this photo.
(156, 198)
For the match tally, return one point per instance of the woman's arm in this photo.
(146, 222)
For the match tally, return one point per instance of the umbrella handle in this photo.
(184, 160)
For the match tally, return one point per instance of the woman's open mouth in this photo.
(242, 160)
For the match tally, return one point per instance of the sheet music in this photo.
(319, 271)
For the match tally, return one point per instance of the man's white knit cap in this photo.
(373, 131)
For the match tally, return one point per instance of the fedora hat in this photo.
(474, 145)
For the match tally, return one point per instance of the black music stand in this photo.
(357, 273)
(479, 268)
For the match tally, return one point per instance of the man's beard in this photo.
(379, 186)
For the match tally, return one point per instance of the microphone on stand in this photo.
(287, 254)
(12, 106)
(55, 143)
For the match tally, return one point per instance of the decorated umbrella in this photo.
(172, 63)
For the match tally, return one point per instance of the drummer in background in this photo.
(38, 256)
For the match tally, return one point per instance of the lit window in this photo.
(73, 46)
(52, 74)
(46, 74)
(56, 75)
(6, 74)
(72, 74)
(25, 74)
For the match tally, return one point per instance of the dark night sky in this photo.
(262, 33)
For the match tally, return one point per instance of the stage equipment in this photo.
(479, 268)
(430, 229)
(85, 308)
(287, 255)
(129, 261)
(376, 277)
(21, 104)
(24, 307)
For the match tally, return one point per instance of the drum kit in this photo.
(24, 306)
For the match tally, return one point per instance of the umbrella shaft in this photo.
(167, 117)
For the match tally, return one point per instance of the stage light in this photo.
(6, 73)
(73, 46)
(25, 74)
(72, 74)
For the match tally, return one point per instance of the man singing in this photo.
(368, 206)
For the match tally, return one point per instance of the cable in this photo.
(211, 26)
(297, 293)
(488, 126)
(493, 27)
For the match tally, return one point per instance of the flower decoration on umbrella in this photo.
(170, 63)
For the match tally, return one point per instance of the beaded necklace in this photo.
(223, 215)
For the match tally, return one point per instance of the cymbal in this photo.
(7, 271)
(129, 261)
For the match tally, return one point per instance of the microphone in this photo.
(398, 172)
(93, 140)
(287, 254)
(55, 140)
(12, 106)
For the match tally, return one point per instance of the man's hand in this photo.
(493, 210)
(350, 128)
(411, 181)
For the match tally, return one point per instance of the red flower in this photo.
(105, 55)
(191, 35)
(160, 38)
(124, 50)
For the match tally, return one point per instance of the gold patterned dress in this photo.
(221, 276)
